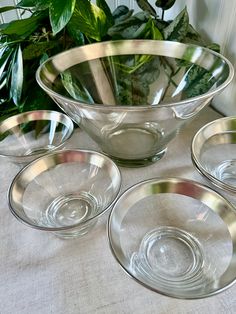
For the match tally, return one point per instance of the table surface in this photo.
(40, 273)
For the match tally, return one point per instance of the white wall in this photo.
(215, 19)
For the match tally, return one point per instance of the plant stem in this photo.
(162, 15)
(64, 38)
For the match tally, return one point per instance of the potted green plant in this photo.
(53, 26)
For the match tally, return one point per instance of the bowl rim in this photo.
(165, 43)
(129, 273)
(206, 174)
(63, 228)
(44, 115)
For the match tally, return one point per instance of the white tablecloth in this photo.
(40, 273)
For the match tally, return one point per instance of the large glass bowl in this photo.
(176, 237)
(133, 96)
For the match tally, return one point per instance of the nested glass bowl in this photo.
(176, 237)
(133, 96)
(28, 135)
(214, 152)
(65, 192)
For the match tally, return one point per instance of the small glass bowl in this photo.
(214, 152)
(28, 135)
(176, 237)
(65, 192)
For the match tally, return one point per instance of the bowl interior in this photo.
(214, 151)
(64, 189)
(131, 73)
(174, 237)
(34, 133)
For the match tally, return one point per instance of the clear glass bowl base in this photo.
(39, 150)
(71, 209)
(170, 258)
(226, 172)
(133, 163)
(135, 145)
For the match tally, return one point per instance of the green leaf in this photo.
(149, 71)
(193, 37)
(7, 109)
(22, 28)
(156, 34)
(140, 27)
(8, 77)
(43, 58)
(74, 88)
(60, 12)
(17, 77)
(134, 27)
(89, 19)
(37, 49)
(198, 81)
(178, 28)
(133, 82)
(121, 13)
(5, 54)
(214, 46)
(103, 5)
(75, 34)
(38, 4)
(37, 99)
(7, 8)
(165, 4)
(161, 24)
(146, 6)
(3, 82)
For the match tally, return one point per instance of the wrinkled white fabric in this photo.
(41, 274)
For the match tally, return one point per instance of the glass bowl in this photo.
(176, 237)
(133, 96)
(213, 152)
(65, 192)
(28, 135)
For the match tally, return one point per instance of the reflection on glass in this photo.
(135, 80)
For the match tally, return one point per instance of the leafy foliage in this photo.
(60, 12)
(121, 13)
(103, 5)
(178, 28)
(165, 4)
(22, 28)
(17, 76)
(90, 20)
(57, 25)
(136, 26)
(146, 6)
(37, 5)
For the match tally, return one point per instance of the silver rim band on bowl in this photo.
(188, 287)
(36, 115)
(218, 132)
(50, 69)
(42, 164)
